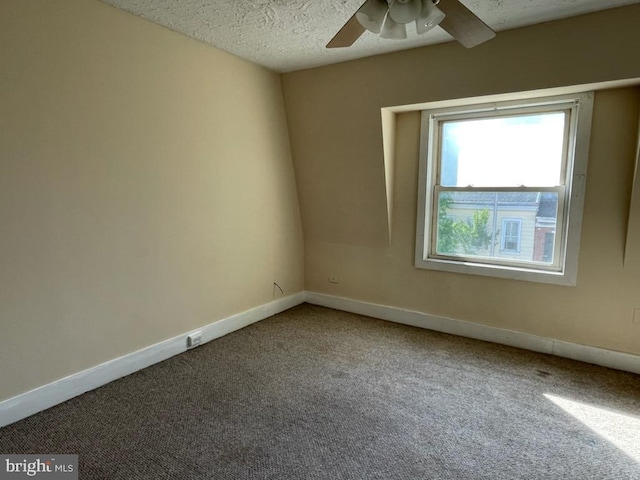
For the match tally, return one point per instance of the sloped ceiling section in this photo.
(288, 35)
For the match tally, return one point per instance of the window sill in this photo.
(497, 271)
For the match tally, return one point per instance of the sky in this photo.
(507, 151)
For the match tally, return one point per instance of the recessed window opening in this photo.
(498, 194)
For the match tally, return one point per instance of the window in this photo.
(510, 238)
(515, 171)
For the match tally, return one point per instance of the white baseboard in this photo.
(598, 356)
(41, 398)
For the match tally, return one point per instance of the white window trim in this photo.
(578, 153)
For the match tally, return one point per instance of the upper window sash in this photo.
(437, 121)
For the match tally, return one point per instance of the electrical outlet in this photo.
(334, 279)
(636, 316)
(194, 339)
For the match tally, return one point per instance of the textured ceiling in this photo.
(287, 35)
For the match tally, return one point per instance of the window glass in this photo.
(506, 151)
(497, 225)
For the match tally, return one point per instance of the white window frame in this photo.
(563, 270)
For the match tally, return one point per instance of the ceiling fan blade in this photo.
(463, 25)
(348, 34)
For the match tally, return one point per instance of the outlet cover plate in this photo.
(194, 339)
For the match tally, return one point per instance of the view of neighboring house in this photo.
(520, 225)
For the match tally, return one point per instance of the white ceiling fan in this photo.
(390, 17)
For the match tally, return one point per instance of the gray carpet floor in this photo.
(314, 393)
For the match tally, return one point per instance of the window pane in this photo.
(518, 226)
(503, 151)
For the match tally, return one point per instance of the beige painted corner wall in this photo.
(146, 188)
(334, 115)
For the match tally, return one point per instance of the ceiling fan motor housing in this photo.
(404, 11)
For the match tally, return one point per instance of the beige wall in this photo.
(146, 184)
(335, 128)
(146, 188)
